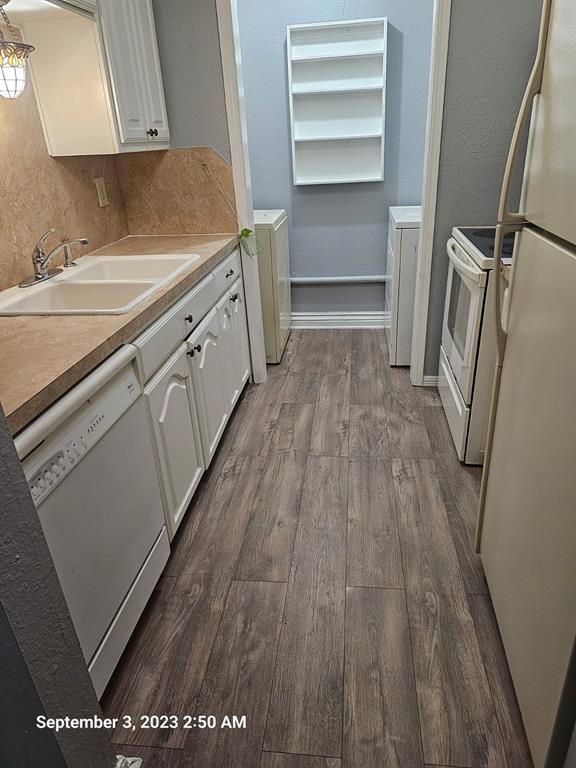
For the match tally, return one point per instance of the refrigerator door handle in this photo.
(533, 87)
(501, 231)
(509, 221)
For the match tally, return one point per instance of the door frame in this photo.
(228, 30)
(434, 121)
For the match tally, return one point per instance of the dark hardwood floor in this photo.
(324, 586)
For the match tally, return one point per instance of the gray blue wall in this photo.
(188, 44)
(491, 52)
(335, 229)
(22, 744)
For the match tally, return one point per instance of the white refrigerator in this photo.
(527, 521)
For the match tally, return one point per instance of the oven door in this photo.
(463, 316)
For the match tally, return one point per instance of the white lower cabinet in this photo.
(240, 332)
(204, 350)
(195, 361)
(234, 351)
(174, 419)
(227, 352)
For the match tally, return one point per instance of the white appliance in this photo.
(468, 349)
(274, 272)
(107, 539)
(402, 258)
(527, 521)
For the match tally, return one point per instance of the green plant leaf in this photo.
(246, 232)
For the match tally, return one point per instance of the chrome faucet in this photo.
(41, 260)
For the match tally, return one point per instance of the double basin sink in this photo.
(98, 285)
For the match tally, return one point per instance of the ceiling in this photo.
(22, 10)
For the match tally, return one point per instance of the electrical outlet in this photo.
(101, 190)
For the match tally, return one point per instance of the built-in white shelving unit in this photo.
(337, 85)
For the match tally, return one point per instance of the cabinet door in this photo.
(120, 24)
(171, 402)
(228, 354)
(153, 89)
(204, 349)
(240, 329)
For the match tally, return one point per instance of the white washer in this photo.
(402, 261)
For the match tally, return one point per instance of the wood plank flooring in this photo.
(324, 585)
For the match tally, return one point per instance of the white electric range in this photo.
(468, 349)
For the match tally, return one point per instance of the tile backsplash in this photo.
(38, 192)
(170, 192)
(177, 191)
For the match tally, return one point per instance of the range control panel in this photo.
(75, 439)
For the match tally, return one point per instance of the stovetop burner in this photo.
(483, 239)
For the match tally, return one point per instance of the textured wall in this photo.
(21, 743)
(335, 229)
(187, 32)
(40, 622)
(38, 191)
(491, 51)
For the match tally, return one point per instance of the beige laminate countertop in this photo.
(43, 356)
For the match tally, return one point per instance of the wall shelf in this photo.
(299, 90)
(337, 78)
(342, 137)
(333, 56)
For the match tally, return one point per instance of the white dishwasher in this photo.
(90, 466)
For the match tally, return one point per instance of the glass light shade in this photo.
(13, 56)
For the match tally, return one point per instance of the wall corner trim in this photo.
(438, 64)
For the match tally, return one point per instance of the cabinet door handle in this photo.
(234, 298)
(229, 274)
(197, 348)
(152, 131)
(189, 319)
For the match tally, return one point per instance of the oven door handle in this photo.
(462, 265)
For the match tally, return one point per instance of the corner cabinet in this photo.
(240, 334)
(174, 419)
(103, 93)
(234, 352)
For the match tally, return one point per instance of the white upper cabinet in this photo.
(132, 51)
(154, 90)
(103, 92)
(120, 30)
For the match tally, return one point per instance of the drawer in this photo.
(457, 412)
(163, 336)
(227, 273)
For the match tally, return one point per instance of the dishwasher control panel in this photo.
(48, 466)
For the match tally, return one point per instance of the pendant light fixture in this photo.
(13, 58)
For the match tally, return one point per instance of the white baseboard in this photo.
(430, 381)
(376, 319)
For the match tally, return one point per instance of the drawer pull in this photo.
(229, 274)
(234, 297)
(189, 319)
(197, 348)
